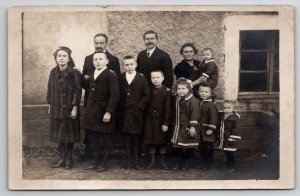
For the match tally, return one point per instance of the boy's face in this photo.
(204, 92)
(129, 65)
(207, 54)
(100, 43)
(188, 53)
(62, 58)
(227, 108)
(157, 78)
(100, 60)
(182, 90)
(150, 41)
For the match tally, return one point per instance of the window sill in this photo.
(258, 95)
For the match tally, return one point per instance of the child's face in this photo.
(227, 108)
(207, 54)
(188, 53)
(100, 60)
(62, 58)
(204, 92)
(129, 65)
(157, 78)
(182, 90)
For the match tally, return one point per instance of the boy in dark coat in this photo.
(229, 133)
(158, 116)
(135, 96)
(208, 124)
(99, 119)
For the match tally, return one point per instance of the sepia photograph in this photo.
(151, 97)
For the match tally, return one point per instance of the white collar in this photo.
(104, 51)
(211, 60)
(98, 72)
(150, 51)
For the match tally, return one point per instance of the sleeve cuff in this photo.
(204, 74)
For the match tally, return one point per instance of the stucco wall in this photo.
(43, 32)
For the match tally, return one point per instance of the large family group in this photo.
(141, 104)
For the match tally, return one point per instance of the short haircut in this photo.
(231, 102)
(150, 32)
(128, 57)
(205, 49)
(157, 70)
(183, 81)
(188, 45)
(98, 52)
(101, 35)
(205, 84)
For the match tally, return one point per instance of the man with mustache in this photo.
(100, 44)
(153, 58)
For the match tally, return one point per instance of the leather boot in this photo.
(103, 165)
(152, 162)
(137, 164)
(61, 161)
(69, 160)
(163, 163)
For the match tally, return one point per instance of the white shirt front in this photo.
(150, 51)
(98, 72)
(130, 77)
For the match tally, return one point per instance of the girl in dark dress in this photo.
(63, 97)
(188, 68)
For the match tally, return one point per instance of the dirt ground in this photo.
(249, 165)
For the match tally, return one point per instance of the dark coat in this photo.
(88, 69)
(64, 92)
(210, 69)
(229, 131)
(186, 115)
(104, 97)
(159, 60)
(134, 100)
(208, 120)
(158, 113)
(183, 69)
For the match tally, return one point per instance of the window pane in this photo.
(254, 60)
(253, 82)
(276, 49)
(276, 82)
(254, 39)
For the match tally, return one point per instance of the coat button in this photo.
(64, 94)
(128, 94)
(93, 89)
(93, 84)
(64, 105)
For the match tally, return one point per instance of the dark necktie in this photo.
(148, 55)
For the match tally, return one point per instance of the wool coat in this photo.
(134, 100)
(209, 69)
(158, 113)
(229, 131)
(104, 97)
(88, 69)
(186, 115)
(208, 120)
(64, 92)
(159, 60)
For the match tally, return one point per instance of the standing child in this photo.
(63, 97)
(157, 119)
(184, 137)
(208, 123)
(135, 96)
(99, 118)
(229, 133)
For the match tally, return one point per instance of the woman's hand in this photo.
(106, 117)
(192, 132)
(209, 132)
(74, 112)
(164, 128)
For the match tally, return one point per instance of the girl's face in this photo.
(204, 92)
(62, 58)
(100, 61)
(182, 90)
(188, 53)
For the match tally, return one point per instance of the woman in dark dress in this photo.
(63, 97)
(188, 68)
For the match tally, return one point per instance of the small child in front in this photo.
(228, 133)
(157, 119)
(208, 124)
(184, 137)
(135, 96)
